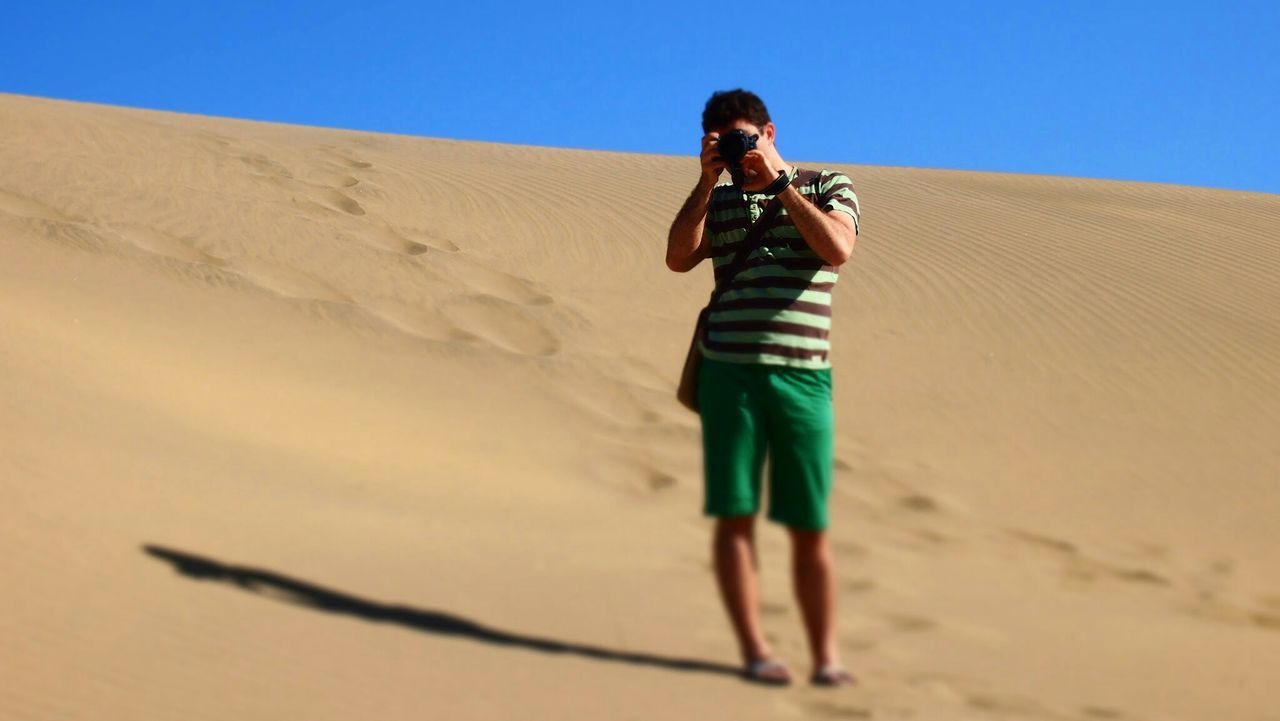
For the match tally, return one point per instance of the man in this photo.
(765, 381)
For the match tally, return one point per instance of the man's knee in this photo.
(735, 525)
(808, 542)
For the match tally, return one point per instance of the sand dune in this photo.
(312, 423)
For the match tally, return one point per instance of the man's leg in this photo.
(802, 444)
(733, 547)
(813, 575)
(734, 451)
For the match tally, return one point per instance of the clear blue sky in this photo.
(1174, 92)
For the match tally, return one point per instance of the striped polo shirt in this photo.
(778, 309)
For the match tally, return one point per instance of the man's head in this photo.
(743, 110)
(727, 106)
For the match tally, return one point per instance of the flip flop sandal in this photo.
(832, 676)
(767, 671)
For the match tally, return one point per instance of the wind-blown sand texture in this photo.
(305, 423)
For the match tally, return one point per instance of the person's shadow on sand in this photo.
(284, 588)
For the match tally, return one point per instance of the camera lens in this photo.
(735, 144)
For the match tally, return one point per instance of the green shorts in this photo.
(750, 408)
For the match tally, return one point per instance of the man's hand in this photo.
(758, 171)
(712, 163)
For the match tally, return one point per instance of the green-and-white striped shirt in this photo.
(778, 308)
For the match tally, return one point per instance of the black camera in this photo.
(735, 144)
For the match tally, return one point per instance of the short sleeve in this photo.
(710, 228)
(835, 192)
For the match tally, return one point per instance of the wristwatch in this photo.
(778, 185)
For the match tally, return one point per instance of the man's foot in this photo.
(832, 676)
(767, 671)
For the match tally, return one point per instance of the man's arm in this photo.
(687, 245)
(831, 234)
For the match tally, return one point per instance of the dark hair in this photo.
(726, 106)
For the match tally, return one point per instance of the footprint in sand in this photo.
(266, 165)
(382, 234)
(1043, 541)
(1208, 606)
(1272, 602)
(999, 704)
(314, 195)
(325, 192)
(285, 281)
(909, 623)
(500, 284)
(1201, 597)
(920, 503)
(369, 191)
(660, 481)
(332, 178)
(344, 159)
(341, 202)
(417, 321)
(1080, 568)
(461, 267)
(502, 323)
(636, 474)
(353, 163)
(228, 148)
(429, 239)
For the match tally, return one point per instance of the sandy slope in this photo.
(303, 423)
